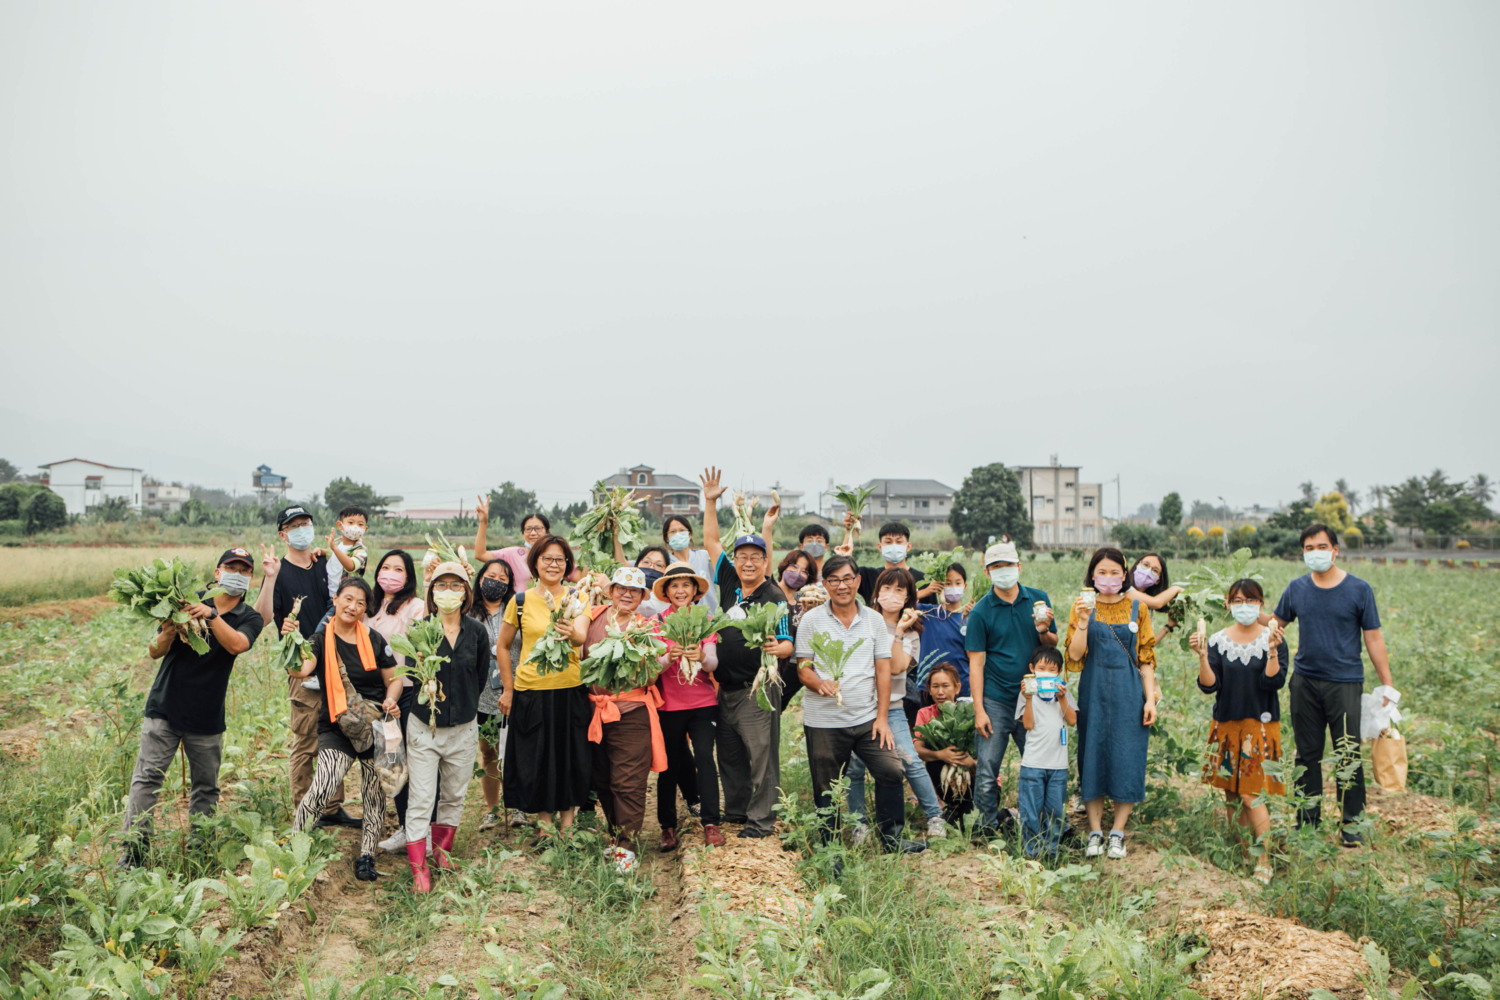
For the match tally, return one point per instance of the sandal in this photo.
(1262, 873)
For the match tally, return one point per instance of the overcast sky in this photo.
(1216, 248)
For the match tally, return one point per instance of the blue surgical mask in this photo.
(679, 540)
(234, 584)
(1318, 560)
(1005, 577)
(815, 549)
(893, 553)
(1245, 614)
(300, 538)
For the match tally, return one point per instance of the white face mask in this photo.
(1005, 577)
(893, 553)
(353, 532)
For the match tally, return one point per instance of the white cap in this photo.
(1003, 551)
(630, 576)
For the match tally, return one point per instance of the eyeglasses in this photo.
(554, 560)
(841, 581)
(534, 529)
(448, 585)
(746, 557)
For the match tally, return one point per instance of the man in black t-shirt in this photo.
(895, 546)
(302, 572)
(186, 703)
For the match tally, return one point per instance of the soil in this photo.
(80, 609)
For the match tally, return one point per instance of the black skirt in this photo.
(548, 757)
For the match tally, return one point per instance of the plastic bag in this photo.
(1388, 756)
(1375, 716)
(390, 755)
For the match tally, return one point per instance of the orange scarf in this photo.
(605, 710)
(338, 704)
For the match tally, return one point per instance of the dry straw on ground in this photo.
(1254, 956)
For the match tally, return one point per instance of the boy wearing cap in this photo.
(749, 736)
(302, 572)
(1004, 627)
(186, 703)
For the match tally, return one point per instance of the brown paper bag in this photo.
(1389, 757)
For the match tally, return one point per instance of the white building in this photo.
(923, 504)
(84, 485)
(792, 501)
(165, 498)
(1064, 510)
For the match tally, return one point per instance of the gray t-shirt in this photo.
(489, 694)
(1047, 743)
(858, 683)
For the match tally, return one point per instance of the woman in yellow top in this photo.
(1109, 639)
(548, 759)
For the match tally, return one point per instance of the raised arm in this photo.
(482, 518)
(712, 490)
(269, 566)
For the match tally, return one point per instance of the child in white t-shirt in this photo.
(346, 554)
(1046, 711)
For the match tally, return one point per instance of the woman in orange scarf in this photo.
(624, 726)
(370, 668)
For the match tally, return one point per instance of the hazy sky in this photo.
(1217, 248)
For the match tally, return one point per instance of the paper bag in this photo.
(1389, 757)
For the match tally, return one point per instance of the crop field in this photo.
(234, 908)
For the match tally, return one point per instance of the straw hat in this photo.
(679, 571)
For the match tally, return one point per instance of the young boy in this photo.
(346, 545)
(943, 685)
(1046, 711)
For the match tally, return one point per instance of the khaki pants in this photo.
(304, 743)
(442, 756)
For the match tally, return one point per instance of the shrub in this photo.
(12, 528)
(14, 495)
(44, 511)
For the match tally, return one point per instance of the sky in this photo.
(1212, 248)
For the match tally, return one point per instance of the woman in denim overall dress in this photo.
(1109, 639)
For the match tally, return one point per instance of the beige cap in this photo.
(1001, 551)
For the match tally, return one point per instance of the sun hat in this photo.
(679, 571)
(1002, 551)
(630, 576)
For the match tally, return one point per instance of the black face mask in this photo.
(651, 575)
(492, 589)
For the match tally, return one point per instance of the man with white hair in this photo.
(1003, 628)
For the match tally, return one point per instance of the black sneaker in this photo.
(695, 810)
(134, 856)
(748, 834)
(909, 846)
(364, 868)
(1351, 838)
(735, 819)
(339, 818)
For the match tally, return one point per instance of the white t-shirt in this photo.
(1047, 742)
(858, 683)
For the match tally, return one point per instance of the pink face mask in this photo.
(1109, 584)
(892, 602)
(1145, 578)
(391, 580)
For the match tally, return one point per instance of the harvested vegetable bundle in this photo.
(554, 649)
(743, 510)
(934, 565)
(758, 628)
(692, 626)
(953, 726)
(442, 551)
(854, 499)
(624, 659)
(830, 656)
(1204, 592)
(615, 516)
(160, 592)
(811, 596)
(419, 644)
(293, 652)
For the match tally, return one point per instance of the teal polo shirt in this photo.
(1006, 634)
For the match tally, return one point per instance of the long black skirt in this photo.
(548, 757)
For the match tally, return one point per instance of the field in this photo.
(750, 920)
(36, 573)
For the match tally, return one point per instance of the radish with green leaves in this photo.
(830, 656)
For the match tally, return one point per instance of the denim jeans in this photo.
(916, 770)
(1004, 726)
(1041, 795)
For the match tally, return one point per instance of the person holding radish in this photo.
(958, 801)
(1110, 641)
(849, 716)
(690, 705)
(547, 751)
(945, 624)
(345, 647)
(443, 733)
(534, 527)
(896, 599)
(895, 546)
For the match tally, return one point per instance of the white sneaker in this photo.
(1116, 846)
(490, 821)
(624, 859)
(1096, 845)
(861, 834)
(395, 843)
(936, 828)
(517, 818)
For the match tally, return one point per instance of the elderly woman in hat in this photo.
(689, 707)
(624, 725)
(443, 735)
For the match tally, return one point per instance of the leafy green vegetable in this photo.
(743, 510)
(554, 650)
(953, 726)
(624, 659)
(159, 593)
(445, 550)
(758, 628)
(419, 644)
(617, 515)
(691, 626)
(293, 651)
(830, 657)
(1204, 592)
(934, 565)
(854, 499)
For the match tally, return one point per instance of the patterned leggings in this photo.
(328, 778)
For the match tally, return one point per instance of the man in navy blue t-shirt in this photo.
(1335, 611)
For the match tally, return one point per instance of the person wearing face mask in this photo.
(1244, 668)
(945, 625)
(1150, 585)
(443, 735)
(1003, 628)
(301, 573)
(1335, 611)
(895, 546)
(395, 605)
(488, 610)
(346, 545)
(652, 562)
(796, 571)
(678, 535)
(813, 539)
(1110, 640)
(186, 703)
(534, 527)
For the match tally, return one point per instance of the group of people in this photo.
(550, 746)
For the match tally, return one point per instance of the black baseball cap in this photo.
(291, 513)
(237, 555)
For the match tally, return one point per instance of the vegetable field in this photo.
(236, 908)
